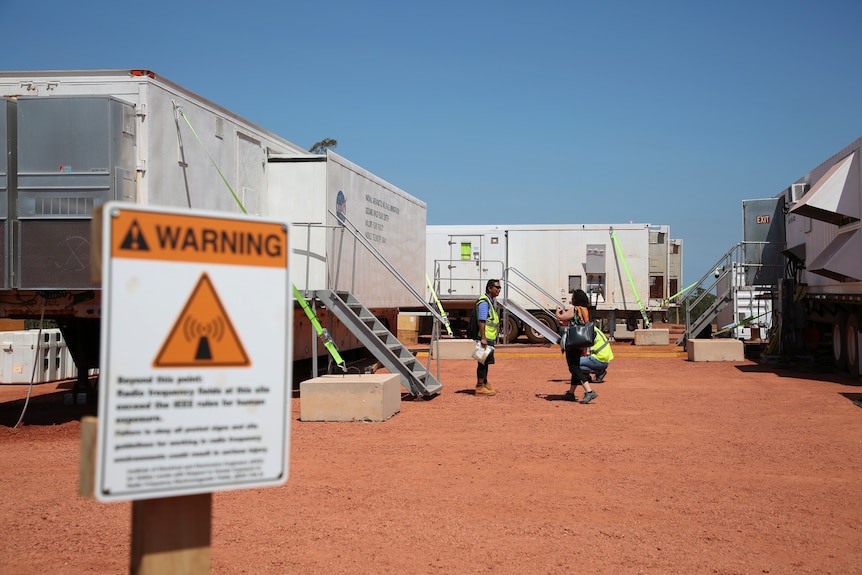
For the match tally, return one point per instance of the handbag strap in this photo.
(576, 318)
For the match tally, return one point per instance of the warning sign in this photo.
(196, 364)
(195, 238)
(203, 335)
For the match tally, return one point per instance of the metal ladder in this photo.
(372, 334)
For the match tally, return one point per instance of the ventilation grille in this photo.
(797, 191)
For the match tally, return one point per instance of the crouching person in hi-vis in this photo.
(489, 323)
(600, 356)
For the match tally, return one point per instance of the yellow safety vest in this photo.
(602, 347)
(493, 321)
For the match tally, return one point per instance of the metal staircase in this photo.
(371, 333)
(529, 319)
(698, 324)
(516, 281)
(720, 286)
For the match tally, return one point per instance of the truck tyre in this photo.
(839, 342)
(511, 330)
(536, 337)
(852, 347)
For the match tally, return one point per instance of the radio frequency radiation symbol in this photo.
(203, 335)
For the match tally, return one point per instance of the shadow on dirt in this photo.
(553, 397)
(803, 370)
(856, 398)
(48, 409)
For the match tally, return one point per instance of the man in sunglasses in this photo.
(489, 325)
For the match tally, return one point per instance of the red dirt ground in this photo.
(677, 467)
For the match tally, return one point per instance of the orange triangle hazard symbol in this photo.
(203, 335)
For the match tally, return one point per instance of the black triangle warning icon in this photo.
(134, 239)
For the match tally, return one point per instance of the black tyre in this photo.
(851, 349)
(548, 321)
(839, 342)
(511, 330)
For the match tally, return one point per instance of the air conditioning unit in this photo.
(797, 191)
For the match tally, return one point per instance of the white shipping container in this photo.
(130, 135)
(392, 222)
(542, 265)
(556, 258)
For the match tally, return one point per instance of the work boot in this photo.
(483, 390)
(488, 385)
(589, 396)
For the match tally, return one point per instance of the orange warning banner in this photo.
(194, 238)
(203, 335)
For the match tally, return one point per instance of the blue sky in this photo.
(497, 112)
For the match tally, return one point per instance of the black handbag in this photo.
(578, 334)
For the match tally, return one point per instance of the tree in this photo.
(323, 145)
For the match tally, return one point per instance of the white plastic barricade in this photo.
(22, 349)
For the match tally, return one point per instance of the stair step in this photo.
(381, 342)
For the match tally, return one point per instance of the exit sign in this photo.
(764, 219)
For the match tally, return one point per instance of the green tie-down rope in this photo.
(631, 279)
(730, 326)
(321, 332)
(439, 305)
(664, 302)
(236, 199)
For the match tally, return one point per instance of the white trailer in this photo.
(628, 270)
(327, 197)
(823, 227)
(74, 140)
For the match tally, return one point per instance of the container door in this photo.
(473, 259)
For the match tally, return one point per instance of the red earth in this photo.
(677, 467)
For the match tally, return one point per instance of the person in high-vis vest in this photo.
(600, 356)
(580, 306)
(489, 325)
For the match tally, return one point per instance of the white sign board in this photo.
(195, 371)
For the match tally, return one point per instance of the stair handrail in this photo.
(698, 292)
(355, 232)
(507, 283)
(724, 266)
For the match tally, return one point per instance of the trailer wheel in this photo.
(511, 330)
(852, 347)
(548, 321)
(839, 342)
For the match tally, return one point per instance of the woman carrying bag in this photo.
(580, 303)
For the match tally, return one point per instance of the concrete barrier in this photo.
(722, 349)
(350, 397)
(652, 337)
(453, 349)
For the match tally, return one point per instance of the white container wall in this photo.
(326, 255)
(556, 258)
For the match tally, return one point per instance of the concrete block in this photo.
(652, 337)
(350, 397)
(453, 349)
(722, 349)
